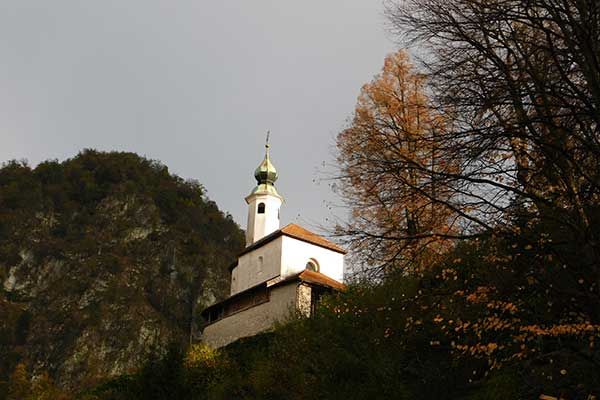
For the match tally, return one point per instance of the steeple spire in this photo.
(263, 202)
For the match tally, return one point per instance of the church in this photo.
(282, 271)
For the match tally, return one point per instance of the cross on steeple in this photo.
(267, 143)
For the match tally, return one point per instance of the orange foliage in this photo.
(389, 159)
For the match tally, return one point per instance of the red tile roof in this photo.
(296, 232)
(320, 279)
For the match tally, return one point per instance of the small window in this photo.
(312, 265)
(261, 208)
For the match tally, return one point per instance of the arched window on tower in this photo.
(261, 208)
(312, 265)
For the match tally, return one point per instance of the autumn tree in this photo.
(516, 84)
(401, 212)
(520, 80)
(508, 138)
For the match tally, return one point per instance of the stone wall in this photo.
(282, 303)
(304, 300)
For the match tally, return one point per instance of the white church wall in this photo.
(296, 253)
(281, 305)
(251, 271)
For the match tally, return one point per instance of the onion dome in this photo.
(266, 175)
(266, 172)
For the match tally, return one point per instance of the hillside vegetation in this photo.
(105, 258)
(480, 324)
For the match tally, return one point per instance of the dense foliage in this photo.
(480, 324)
(104, 258)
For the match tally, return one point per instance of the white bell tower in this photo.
(264, 202)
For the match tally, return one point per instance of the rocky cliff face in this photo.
(104, 259)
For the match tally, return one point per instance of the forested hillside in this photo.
(104, 259)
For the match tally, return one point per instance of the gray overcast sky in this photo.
(194, 84)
